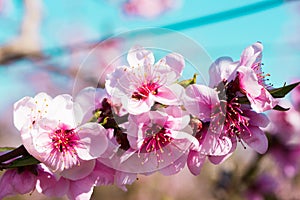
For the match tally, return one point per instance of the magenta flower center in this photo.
(156, 141)
(235, 122)
(64, 140)
(143, 92)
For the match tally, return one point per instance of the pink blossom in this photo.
(92, 100)
(225, 123)
(97, 100)
(52, 186)
(260, 98)
(247, 72)
(51, 132)
(212, 145)
(285, 125)
(161, 140)
(80, 189)
(144, 82)
(286, 157)
(203, 102)
(16, 181)
(252, 79)
(253, 134)
(284, 134)
(148, 9)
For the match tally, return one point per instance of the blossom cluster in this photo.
(141, 7)
(144, 121)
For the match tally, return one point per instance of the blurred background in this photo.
(43, 45)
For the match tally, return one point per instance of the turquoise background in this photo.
(277, 28)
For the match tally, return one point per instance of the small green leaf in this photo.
(23, 161)
(105, 120)
(279, 108)
(282, 91)
(188, 82)
(95, 116)
(6, 149)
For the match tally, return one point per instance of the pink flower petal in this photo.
(200, 100)
(263, 102)
(62, 109)
(103, 174)
(22, 111)
(184, 140)
(30, 109)
(93, 141)
(222, 69)
(257, 119)
(112, 83)
(81, 189)
(159, 118)
(24, 182)
(219, 159)
(80, 171)
(6, 188)
(257, 139)
(212, 144)
(175, 167)
(195, 162)
(51, 186)
(167, 96)
(136, 107)
(144, 163)
(12, 182)
(89, 99)
(138, 56)
(123, 178)
(177, 118)
(173, 62)
(251, 55)
(248, 81)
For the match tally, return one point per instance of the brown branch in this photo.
(26, 44)
(20, 151)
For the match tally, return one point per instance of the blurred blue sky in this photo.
(277, 28)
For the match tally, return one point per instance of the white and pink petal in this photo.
(200, 100)
(138, 56)
(93, 141)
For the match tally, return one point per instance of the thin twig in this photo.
(20, 151)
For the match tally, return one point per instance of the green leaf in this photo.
(282, 91)
(279, 108)
(188, 82)
(6, 149)
(23, 161)
(95, 116)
